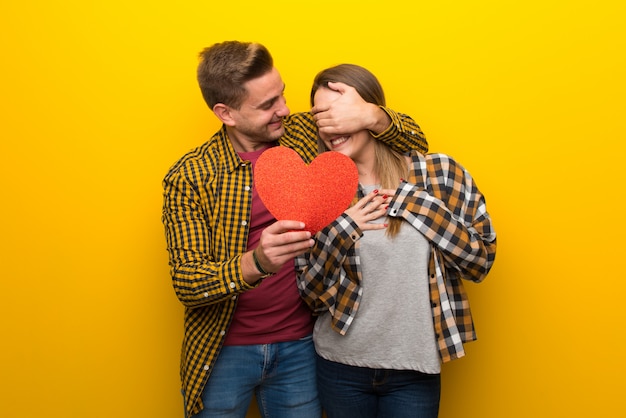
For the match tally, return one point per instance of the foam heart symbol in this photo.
(314, 194)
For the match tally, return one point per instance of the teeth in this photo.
(339, 140)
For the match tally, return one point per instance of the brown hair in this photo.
(390, 164)
(225, 67)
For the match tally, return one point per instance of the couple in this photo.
(250, 317)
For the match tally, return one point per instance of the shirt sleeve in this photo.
(198, 279)
(327, 275)
(403, 134)
(301, 135)
(448, 209)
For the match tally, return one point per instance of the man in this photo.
(246, 329)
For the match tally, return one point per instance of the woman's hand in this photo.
(369, 208)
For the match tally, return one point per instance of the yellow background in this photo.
(99, 98)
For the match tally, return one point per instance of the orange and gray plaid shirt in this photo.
(440, 200)
(206, 211)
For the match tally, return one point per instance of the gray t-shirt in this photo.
(393, 328)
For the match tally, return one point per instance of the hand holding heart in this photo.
(280, 242)
(315, 194)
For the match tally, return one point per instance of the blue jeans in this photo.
(359, 392)
(281, 375)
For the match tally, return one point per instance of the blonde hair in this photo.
(390, 165)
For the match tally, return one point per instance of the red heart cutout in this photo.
(315, 194)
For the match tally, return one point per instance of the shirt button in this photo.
(206, 367)
(247, 188)
(222, 332)
(234, 297)
(206, 294)
(244, 223)
(232, 285)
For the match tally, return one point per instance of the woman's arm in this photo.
(449, 210)
(318, 271)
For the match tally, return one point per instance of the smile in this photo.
(338, 141)
(277, 123)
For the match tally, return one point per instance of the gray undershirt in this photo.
(393, 328)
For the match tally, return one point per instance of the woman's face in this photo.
(351, 144)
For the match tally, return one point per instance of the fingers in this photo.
(374, 211)
(375, 199)
(386, 192)
(284, 237)
(280, 227)
(372, 226)
(281, 242)
(338, 86)
(370, 208)
(342, 113)
(316, 110)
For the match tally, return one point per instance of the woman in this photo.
(385, 278)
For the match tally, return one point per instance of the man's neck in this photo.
(243, 143)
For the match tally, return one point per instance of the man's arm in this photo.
(198, 279)
(280, 243)
(350, 113)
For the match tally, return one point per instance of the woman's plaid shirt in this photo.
(441, 200)
(206, 211)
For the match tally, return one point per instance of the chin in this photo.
(276, 135)
(345, 150)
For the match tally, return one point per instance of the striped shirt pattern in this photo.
(440, 199)
(206, 210)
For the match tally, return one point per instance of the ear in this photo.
(224, 114)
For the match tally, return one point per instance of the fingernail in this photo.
(375, 191)
(386, 207)
(385, 196)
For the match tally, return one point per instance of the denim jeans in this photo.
(281, 375)
(359, 392)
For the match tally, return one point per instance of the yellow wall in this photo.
(99, 98)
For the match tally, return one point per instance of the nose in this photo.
(282, 110)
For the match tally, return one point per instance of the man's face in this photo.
(259, 120)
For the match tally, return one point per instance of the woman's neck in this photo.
(367, 173)
(365, 160)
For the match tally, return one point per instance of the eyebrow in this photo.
(270, 102)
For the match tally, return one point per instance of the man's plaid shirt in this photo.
(206, 212)
(439, 199)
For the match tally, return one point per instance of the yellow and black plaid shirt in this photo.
(206, 211)
(440, 199)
